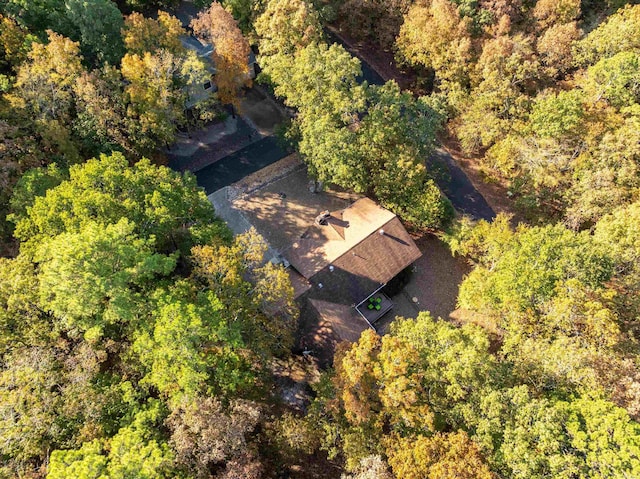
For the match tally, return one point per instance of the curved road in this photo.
(456, 186)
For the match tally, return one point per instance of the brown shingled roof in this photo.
(380, 257)
(368, 265)
(321, 245)
(355, 275)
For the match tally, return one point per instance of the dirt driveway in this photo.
(433, 286)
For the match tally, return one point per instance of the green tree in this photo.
(619, 33)
(22, 322)
(368, 139)
(88, 278)
(558, 115)
(135, 451)
(618, 232)
(40, 15)
(244, 11)
(157, 201)
(50, 399)
(523, 272)
(615, 80)
(321, 82)
(155, 95)
(514, 425)
(141, 34)
(286, 26)
(35, 182)
(546, 289)
(435, 36)
(432, 347)
(395, 137)
(102, 122)
(414, 381)
(438, 456)
(332, 72)
(607, 177)
(260, 294)
(604, 434)
(528, 437)
(99, 23)
(192, 348)
(506, 69)
(14, 44)
(331, 151)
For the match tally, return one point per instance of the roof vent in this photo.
(322, 218)
(381, 231)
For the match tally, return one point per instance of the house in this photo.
(340, 250)
(199, 92)
(343, 261)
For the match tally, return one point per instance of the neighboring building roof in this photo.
(197, 92)
(203, 51)
(192, 43)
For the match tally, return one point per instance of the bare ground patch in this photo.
(434, 283)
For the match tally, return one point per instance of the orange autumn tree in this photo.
(231, 51)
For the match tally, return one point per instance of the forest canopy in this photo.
(139, 338)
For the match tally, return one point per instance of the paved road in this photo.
(236, 166)
(224, 144)
(453, 182)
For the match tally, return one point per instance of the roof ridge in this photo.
(364, 239)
